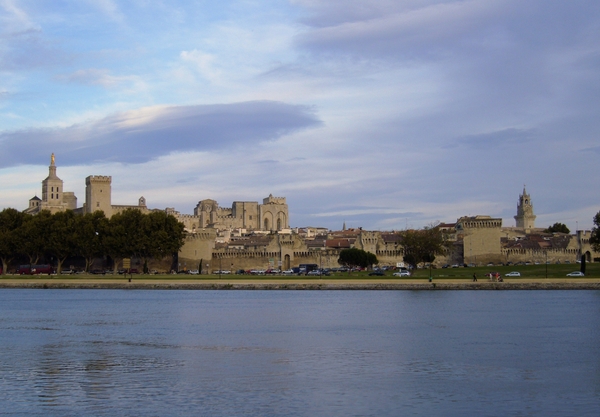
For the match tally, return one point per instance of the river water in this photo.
(299, 353)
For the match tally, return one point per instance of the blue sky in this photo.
(381, 114)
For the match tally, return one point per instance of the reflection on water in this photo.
(272, 353)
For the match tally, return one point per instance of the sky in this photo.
(380, 114)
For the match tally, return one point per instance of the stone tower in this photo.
(97, 194)
(273, 213)
(52, 189)
(525, 218)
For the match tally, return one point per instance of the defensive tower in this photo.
(98, 194)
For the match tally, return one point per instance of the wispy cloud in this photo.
(101, 77)
(494, 140)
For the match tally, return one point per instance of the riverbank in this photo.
(149, 283)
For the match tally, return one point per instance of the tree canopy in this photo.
(91, 231)
(595, 238)
(11, 221)
(422, 246)
(357, 257)
(65, 234)
(558, 228)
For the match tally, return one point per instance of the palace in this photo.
(271, 215)
(249, 235)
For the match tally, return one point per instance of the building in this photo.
(54, 198)
(252, 235)
(525, 218)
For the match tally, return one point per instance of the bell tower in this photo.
(52, 190)
(525, 218)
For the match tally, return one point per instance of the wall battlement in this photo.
(98, 178)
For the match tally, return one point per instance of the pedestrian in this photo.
(474, 277)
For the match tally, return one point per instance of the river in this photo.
(299, 353)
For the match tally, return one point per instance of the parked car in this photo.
(194, 272)
(513, 274)
(376, 273)
(401, 274)
(576, 274)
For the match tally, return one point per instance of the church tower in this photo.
(52, 190)
(525, 217)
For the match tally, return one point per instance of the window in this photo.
(97, 204)
(250, 217)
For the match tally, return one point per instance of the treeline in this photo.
(62, 235)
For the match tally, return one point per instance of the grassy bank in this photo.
(528, 272)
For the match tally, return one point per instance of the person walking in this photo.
(474, 277)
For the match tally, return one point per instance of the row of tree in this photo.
(129, 233)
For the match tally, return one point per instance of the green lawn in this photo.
(527, 271)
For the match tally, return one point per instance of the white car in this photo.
(513, 274)
(576, 274)
(401, 274)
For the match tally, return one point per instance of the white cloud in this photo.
(108, 8)
(203, 63)
(102, 77)
(14, 20)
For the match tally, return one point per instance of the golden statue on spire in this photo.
(52, 159)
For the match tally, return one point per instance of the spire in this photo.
(52, 169)
(344, 227)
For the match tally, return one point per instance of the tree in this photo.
(124, 235)
(146, 236)
(357, 257)
(595, 237)
(90, 231)
(61, 237)
(558, 228)
(163, 236)
(11, 222)
(166, 234)
(422, 245)
(33, 236)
